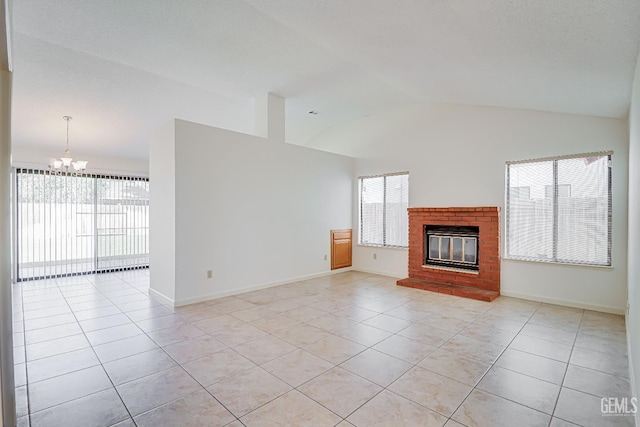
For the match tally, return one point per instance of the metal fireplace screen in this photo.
(452, 247)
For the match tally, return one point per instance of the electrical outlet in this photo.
(325, 257)
(209, 274)
(375, 256)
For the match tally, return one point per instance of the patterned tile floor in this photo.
(347, 349)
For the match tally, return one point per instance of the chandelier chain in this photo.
(67, 119)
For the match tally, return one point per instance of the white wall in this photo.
(162, 213)
(456, 157)
(255, 211)
(633, 317)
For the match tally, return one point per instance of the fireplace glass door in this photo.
(451, 247)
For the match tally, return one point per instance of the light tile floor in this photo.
(347, 349)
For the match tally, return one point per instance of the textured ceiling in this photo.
(123, 67)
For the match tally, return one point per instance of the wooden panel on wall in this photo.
(340, 249)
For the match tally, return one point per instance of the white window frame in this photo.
(555, 259)
(360, 214)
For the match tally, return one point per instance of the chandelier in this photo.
(67, 161)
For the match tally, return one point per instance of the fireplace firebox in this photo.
(453, 247)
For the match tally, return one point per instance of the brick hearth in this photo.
(483, 284)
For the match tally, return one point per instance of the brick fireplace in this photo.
(461, 257)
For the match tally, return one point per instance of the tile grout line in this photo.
(142, 333)
(383, 388)
(162, 370)
(92, 349)
(102, 365)
(98, 359)
(505, 347)
(485, 373)
(77, 322)
(333, 333)
(493, 364)
(245, 322)
(297, 347)
(24, 349)
(555, 406)
(177, 365)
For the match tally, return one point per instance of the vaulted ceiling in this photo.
(123, 67)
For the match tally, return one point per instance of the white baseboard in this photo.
(161, 298)
(216, 295)
(566, 303)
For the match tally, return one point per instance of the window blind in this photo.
(559, 209)
(383, 210)
(70, 224)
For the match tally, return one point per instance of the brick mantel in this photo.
(486, 281)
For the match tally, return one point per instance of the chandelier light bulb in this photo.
(79, 165)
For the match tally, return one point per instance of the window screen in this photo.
(383, 210)
(559, 209)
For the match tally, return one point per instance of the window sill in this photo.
(567, 264)
(382, 247)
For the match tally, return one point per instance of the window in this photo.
(559, 209)
(384, 201)
(69, 224)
